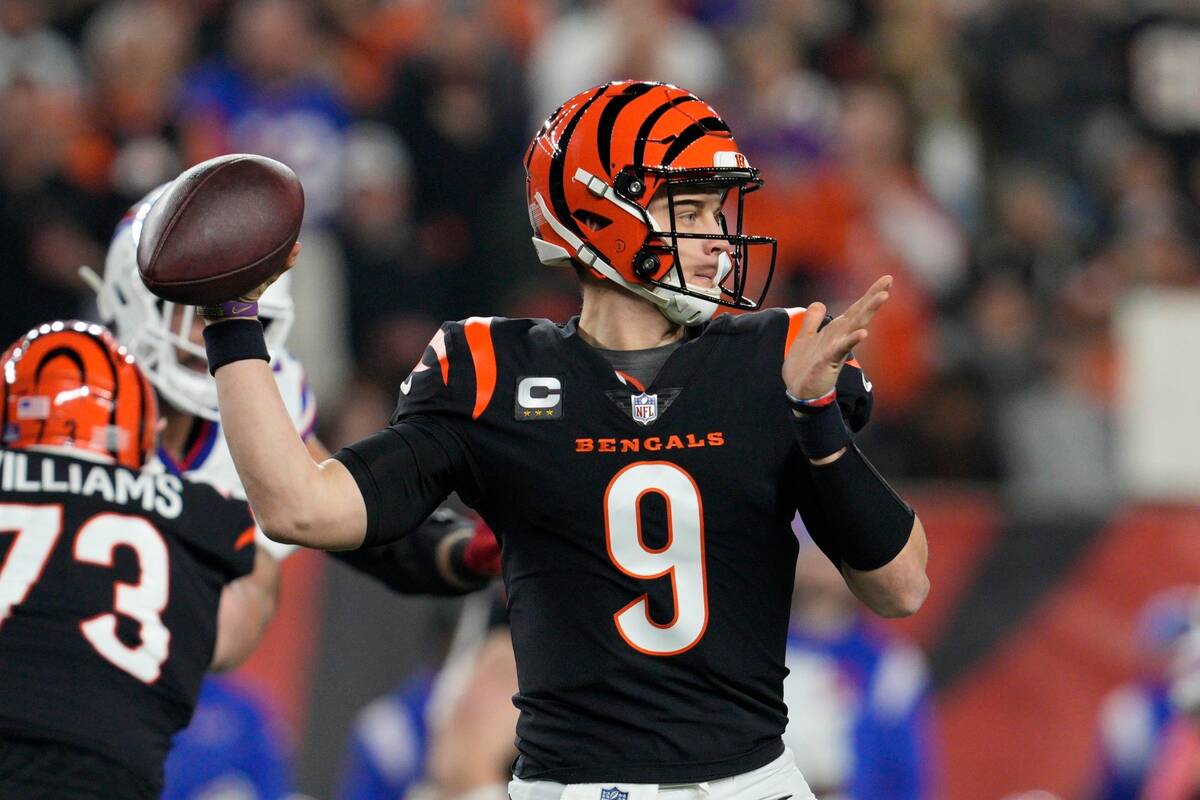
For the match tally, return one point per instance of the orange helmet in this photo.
(593, 169)
(70, 384)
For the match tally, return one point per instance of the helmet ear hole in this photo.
(593, 221)
(645, 264)
(629, 184)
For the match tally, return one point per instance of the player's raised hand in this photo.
(247, 304)
(817, 355)
(257, 292)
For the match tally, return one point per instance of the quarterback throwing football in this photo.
(640, 463)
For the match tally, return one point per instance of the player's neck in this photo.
(175, 432)
(613, 319)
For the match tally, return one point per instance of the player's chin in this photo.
(705, 287)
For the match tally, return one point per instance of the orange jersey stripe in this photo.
(483, 354)
(795, 320)
(246, 538)
(439, 346)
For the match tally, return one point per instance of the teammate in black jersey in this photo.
(643, 509)
(110, 576)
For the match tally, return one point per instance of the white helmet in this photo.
(151, 329)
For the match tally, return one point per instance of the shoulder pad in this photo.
(456, 374)
(218, 526)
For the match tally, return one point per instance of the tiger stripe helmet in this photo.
(69, 384)
(598, 161)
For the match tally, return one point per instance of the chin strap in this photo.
(680, 309)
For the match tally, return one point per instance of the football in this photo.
(220, 229)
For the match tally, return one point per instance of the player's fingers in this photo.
(814, 315)
(871, 299)
(295, 254)
(867, 313)
(861, 313)
(839, 347)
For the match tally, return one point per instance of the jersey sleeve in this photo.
(444, 380)
(406, 471)
(218, 528)
(411, 565)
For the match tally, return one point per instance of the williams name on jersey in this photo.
(109, 585)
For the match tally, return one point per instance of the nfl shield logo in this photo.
(613, 794)
(645, 411)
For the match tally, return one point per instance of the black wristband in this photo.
(821, 434)
(874, 522)
(234, 340)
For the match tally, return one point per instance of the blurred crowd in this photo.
(1019, 165)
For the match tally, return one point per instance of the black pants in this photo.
(37, 769)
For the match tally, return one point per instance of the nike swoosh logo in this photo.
(867, 386)
(404, 387)
(240, 309)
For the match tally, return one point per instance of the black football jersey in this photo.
(646, 535)
(109, 586)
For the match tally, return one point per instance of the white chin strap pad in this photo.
(684, 309)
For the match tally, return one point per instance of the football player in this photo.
(111, 574)
(448, 556)
(640, 463)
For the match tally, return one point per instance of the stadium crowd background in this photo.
(1021, 166)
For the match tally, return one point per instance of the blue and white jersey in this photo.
(385, 759)
(1133, 720)
(208, 460)
(230, 751)
(859, 716)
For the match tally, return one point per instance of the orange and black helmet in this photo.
(594, 167)
(69, 384)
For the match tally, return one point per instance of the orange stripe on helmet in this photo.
(483, 354)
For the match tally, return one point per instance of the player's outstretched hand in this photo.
(812, 366)
(247, 304)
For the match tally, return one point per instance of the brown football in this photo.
(220, 229)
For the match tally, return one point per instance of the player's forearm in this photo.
(247, 607)
(899, 587)
(430, 560)
(295, 500)
(868, 531)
